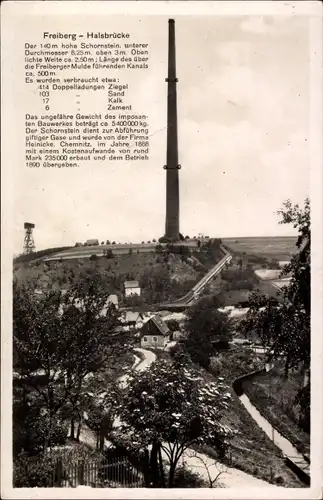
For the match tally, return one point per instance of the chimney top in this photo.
(172, 21)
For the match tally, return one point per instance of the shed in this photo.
(91, 243)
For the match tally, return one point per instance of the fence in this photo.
(112, 472)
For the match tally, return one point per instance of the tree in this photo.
(62, 339)
(284, 326)
(173, 325)
(210, 468)
(31, 426)
(170, 408)
(108, 242)
(184, 251)
(109, 254)
(205, 325)
(155, 280)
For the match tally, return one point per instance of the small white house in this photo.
(113, 299)
(154, 333)
(132, 288)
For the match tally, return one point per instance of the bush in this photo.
(33, 472)
(216, 366)
(184, 478)
(240, 279)
(31, 428)
(173, 325)
(109, 254)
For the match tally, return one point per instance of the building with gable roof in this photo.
(132, 288)
(132, 319)
(154, 333)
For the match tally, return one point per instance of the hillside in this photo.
(164, 275)
(160, 278)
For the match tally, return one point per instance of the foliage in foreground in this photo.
(59, 342)
(169, 408)
(284, 328)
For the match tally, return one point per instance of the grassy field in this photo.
(273, 395)
(271, 247)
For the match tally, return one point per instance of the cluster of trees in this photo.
(65, 350)
(241, 278)
(59, 342)
(210, 252)
(284, 327)
(156, 283)
(208, 329)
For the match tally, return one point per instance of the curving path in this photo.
(139, 364)
(278, 439)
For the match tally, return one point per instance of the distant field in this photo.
(272, 247)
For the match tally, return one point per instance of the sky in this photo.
(243, 115)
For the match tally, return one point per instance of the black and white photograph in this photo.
(162, 258)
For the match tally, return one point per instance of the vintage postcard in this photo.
(161, 249)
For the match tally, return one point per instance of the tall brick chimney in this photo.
(172, 166)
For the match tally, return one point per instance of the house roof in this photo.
(131, 284)
(131, 316)
(91, 241)
(112, 299)
(161, 326)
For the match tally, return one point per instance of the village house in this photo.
(132, 319)
(132, 288)
(155, 333)
(113, 299)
